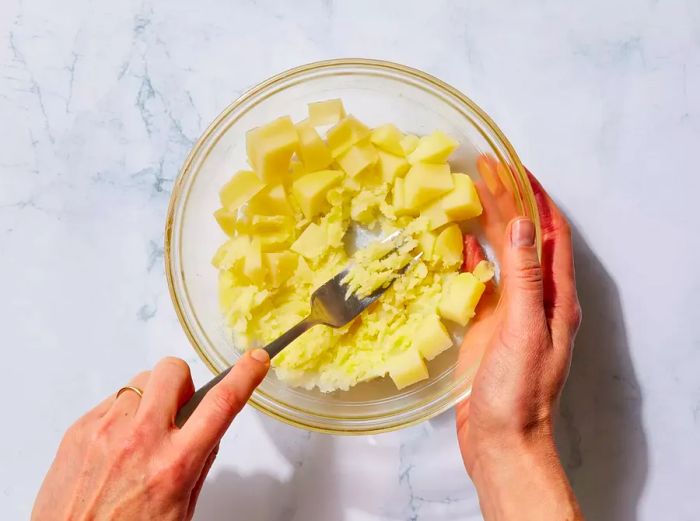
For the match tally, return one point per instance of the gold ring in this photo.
(130, 388)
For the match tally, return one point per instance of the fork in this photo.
(331, 305)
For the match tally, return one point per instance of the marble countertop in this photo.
(101, 101)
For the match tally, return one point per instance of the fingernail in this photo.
(260, 355)
(522, 233)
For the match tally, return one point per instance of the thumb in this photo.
(522, 275)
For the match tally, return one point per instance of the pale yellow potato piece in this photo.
(312, 242)
(407, 368)
(391, 166)
(435, 216)
(243, 185)
(226, 220)
(326, 112)
(388, 138)
(270, 148)
(272, 200)
(348, 132)
(231, 253)
(448, 246)
(313, 151)
(252, 262)
(426, 242)
(460, 297)
(398, 201)
(358, 158)
(425, 183)
(462, 202)
(280, 266)
(310, 190)
(431, 338)
(409, 143)
(435, 148)
(484, 271)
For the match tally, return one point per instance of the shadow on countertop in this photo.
(599, 432)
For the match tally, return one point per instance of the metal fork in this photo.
(330, 305)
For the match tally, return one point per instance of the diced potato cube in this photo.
(426, 182)
(391, 166)
(313, 151)
(462, 202)
(358, 158)
(431, 338)
(409, 143)
(270, 148)
(388, 138)
(252, 263)
(407, 368)
(226, 220)
(484, 271)
(280, 266)
(460, 297)
(398, 201)
(448, 246)
(312, 242)
(435, 216)
(274, 231)
(296, 169)
(310, 190)
(243, 185)
(426, 242)
(348, 132)
(434, 148)
(271, 201)
(326, 112)
(231, 253)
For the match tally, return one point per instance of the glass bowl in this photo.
(376, 92)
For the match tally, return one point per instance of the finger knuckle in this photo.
(175, 365)
(170, 473)
(227, 403)
(530, 274)
(575, 316)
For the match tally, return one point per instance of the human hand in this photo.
(126, 459)
(505, 427)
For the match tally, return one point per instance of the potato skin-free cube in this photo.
(398, 201)
(231, 253)
(326, 112)
(226, 220)
(270, 148)
(388, 138)
(431, 338)
(243, 185)
(345, 134)
(434, 148)
(358, 158)
(448, 246)
(409, 143)
(462, 202)
(252, 262)
(426, 182)
(435, 216)
(312, 242)
(460, 297)
(391, 166)
(407, 368)
(280, 266)
(426, 242)
(313, 151)
(310, 190)
(272, 200)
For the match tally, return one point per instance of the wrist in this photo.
(519, 476)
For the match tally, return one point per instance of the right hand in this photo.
(505, 428)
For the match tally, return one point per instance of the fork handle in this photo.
(273, 348)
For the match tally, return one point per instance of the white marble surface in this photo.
(101, 101)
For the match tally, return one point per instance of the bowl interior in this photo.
(376, 93)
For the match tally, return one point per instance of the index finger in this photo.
(220, 406)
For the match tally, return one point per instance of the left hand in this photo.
(125, 459)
